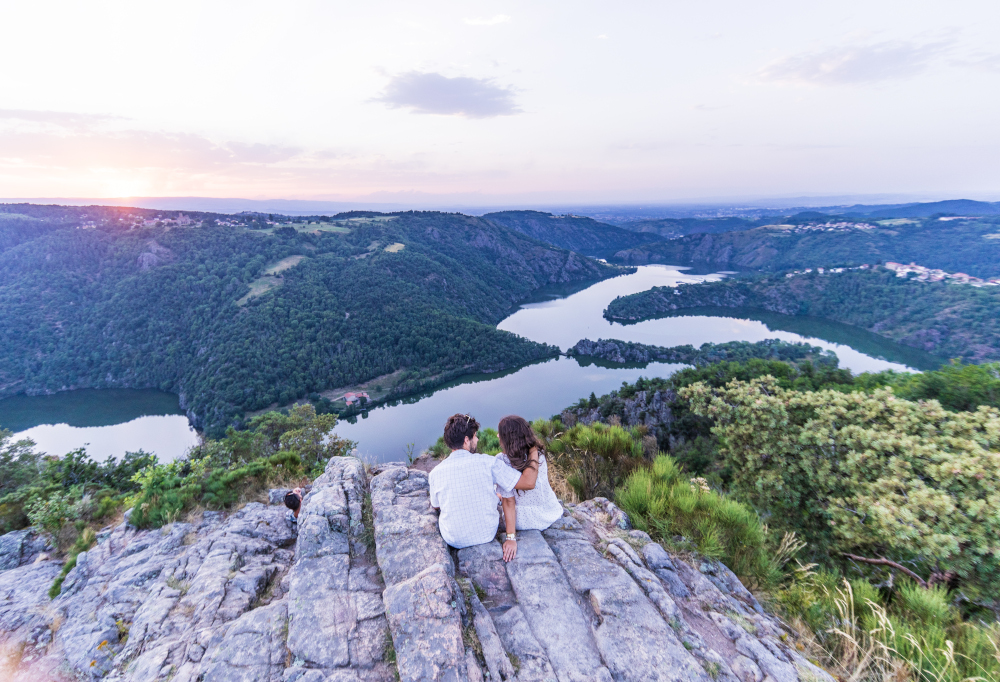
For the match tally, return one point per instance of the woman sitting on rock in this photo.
(535, 509)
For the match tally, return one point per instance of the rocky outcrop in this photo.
(253, 596)
(652, 409)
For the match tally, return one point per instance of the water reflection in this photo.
(86, 407)
(565, 321)
(538, 390)
(168, 437)
(108, 422)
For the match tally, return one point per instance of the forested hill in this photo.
(576, 233)
(944, 319)
(671, 228)
(236, 319)
(971, 246)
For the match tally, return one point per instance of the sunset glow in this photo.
(506, 102)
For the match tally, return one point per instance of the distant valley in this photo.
(241, 313)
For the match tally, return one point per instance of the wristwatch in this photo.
(512, 537)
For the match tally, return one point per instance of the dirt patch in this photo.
(261, 286)
(425, 462)
(283, 264)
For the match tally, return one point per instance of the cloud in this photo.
(848, 64)
(432, 93)
(136, 149)
(260, 153)
(63, 119)
(491, 21)
(989, 63)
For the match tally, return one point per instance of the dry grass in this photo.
(283, 264)
(559, 483)
(854, 654)
(395, 248)
(259, 287)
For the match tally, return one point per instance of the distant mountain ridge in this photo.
(671, 228)
(809, 240)
(576, 233)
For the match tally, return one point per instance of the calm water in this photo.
(108, 422)
(113, 423)
(544, 389)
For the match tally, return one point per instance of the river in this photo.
(114, 422)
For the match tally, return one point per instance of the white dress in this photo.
(539, 508)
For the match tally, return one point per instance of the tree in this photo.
(866, 473)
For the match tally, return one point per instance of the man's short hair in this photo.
(292, 501)
(458, 428)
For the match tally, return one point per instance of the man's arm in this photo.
(530, 474)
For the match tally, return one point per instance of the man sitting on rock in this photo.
(463, 488)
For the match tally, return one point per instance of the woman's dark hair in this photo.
(292, 501)
(458, 428)
(517, 438)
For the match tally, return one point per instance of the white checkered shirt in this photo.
(462, 487)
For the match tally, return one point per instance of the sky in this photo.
(500, 102)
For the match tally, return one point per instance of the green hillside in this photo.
(671, 228)
(969, 246)
(576, 233)
(236, 319)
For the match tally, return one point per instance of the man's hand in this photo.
(509, 550)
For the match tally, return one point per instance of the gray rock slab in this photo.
(746, 670)
(526, 654)
(551, 610)
(10, 549)
(336, 617)
(497, 662)
(656, 557)
(770, 664)
(650, 584)
(634, 640)
(485, 567)
(253, 650)
(426, 627)
(407, 539)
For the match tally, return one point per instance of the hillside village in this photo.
(935, 275)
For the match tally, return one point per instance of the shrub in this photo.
(869, 474)
(595, 458)
(489, 442)
(662, 501)
(50, 514)
(925, 605)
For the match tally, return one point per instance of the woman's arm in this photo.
(510, 520)
(530, 474)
